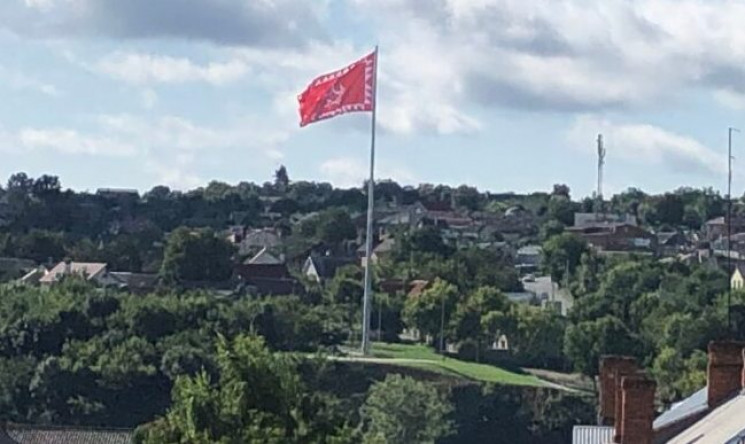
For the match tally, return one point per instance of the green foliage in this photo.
(587, 341)
(196, 255)
(562, 253)
(537, 337)
(401, 410)
(258, 396)
(425, 312)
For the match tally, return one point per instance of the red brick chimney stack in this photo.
(725, 371)
(635, 424)
(612, 368)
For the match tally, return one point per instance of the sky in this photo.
(504, 95)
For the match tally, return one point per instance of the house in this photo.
(137, 283)
(382, 250)
(323, 268)
(528, 258)
(91, 271)
(584, 220)
(717, 227)
(265, 257)
(37, 434)
(737, 281)
(546, 292)
(267, 279)
(672, 243)
(417, 287)
(255, 240)
(34, 276)
(713, 414)
(618, 238)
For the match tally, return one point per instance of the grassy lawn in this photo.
(433, 361)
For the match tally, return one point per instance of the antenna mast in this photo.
(601, 164)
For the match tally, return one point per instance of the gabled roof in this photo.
(686, 408)
(89, 270)
(27, 434)
(326, 266)
(136, 281)
(725, 424)
(264, 257)
(417, 287)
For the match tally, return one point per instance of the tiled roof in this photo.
(23, 434)
(592, 435)
(417, 287)
(81, 268)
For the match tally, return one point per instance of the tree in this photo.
(538, 336)
(587, 341)
(427, 239)
(425, 312)
(281, 179)
(334, 226)
(561, 190)
(46, 186)
(468, 320)
(562, 209)
(562, 252)
(196, 255)
(401, 410)
(258, 397)
(670, 209)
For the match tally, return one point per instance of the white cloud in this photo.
(170, 148)
(648, 145)
(264, 23)
(173, 148)
(568, 56)
(69, 141)
(142, 69)
(347, 172)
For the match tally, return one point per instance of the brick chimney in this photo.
(635, 424)
(725, 370)
(612, 368)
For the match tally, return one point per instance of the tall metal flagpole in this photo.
(366, 304)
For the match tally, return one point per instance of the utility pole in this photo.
(442, 324)
(729, 226)
(601, 164)
(380, 317)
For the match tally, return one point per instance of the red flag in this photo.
(347, 90)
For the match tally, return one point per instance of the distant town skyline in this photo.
(503, 95)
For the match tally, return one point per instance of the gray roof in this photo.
(23, 434)
(592, 435)
(530, 250)
(724, 424)
(692, 405)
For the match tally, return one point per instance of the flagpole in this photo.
(366, 304)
